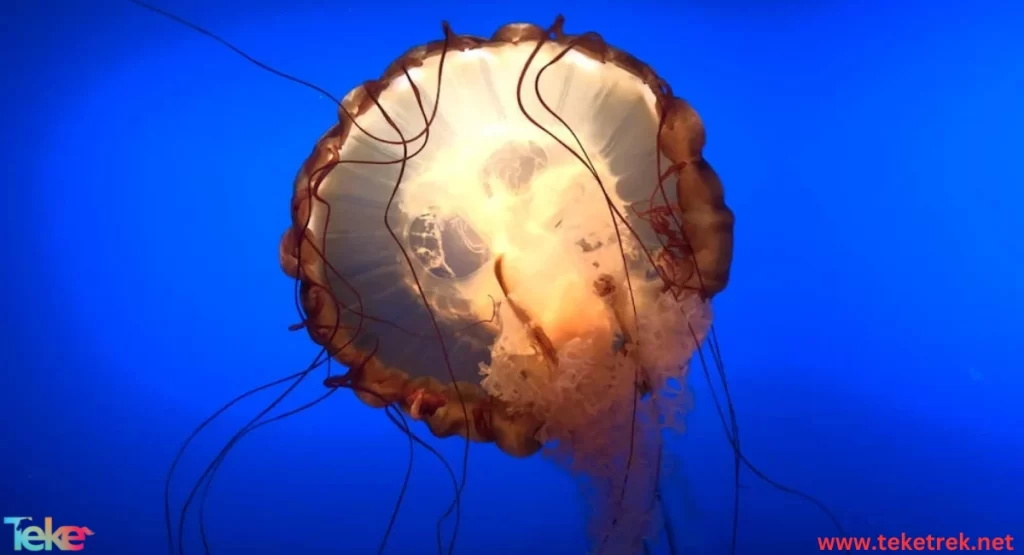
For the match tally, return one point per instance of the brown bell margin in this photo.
(706, 226)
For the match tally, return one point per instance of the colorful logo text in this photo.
(34, 538)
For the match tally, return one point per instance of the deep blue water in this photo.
(871, 331)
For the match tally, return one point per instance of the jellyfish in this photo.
(516, 240)
(513, 240)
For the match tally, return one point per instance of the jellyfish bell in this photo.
(514, 239)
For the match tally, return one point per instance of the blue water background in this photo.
(871, 332)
